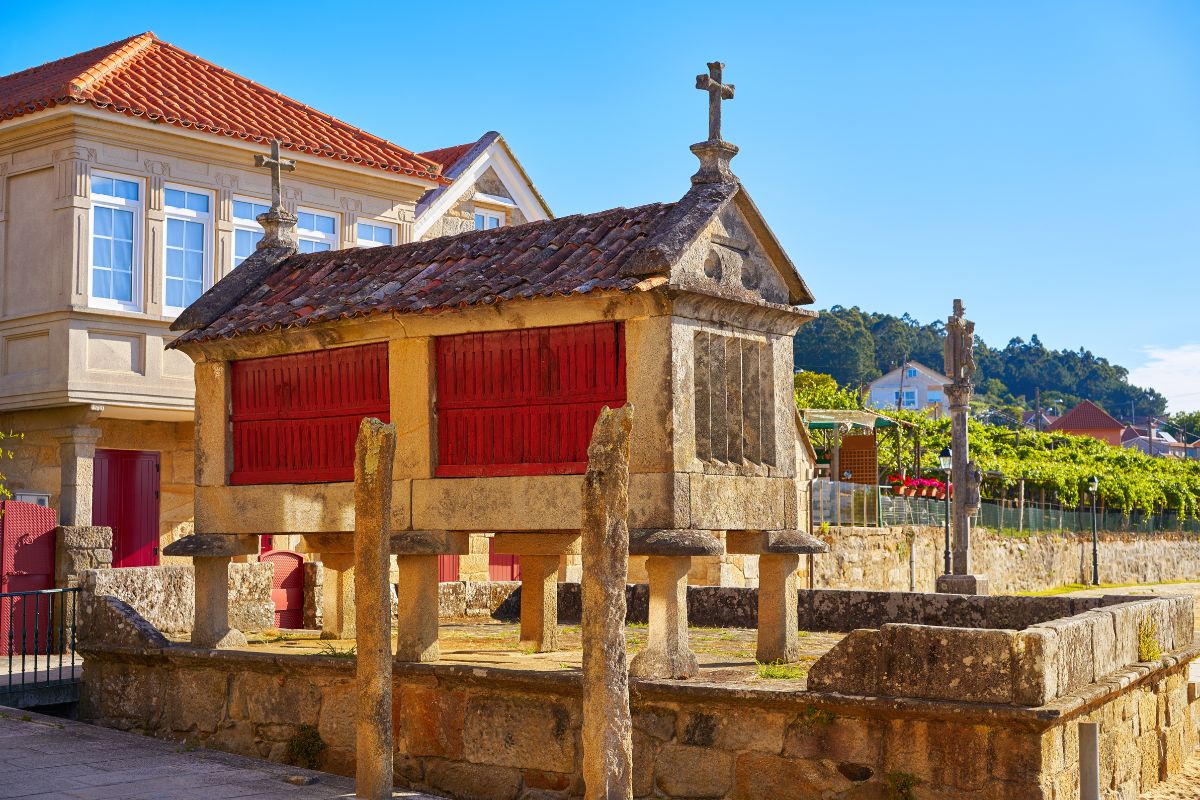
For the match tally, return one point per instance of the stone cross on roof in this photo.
(717, 92)
(276, 164)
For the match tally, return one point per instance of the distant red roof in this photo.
(143, 76)
(1087, 416)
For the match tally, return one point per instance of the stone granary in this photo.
(493, 352)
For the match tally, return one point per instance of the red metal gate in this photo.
(26, 565)
(125, 486)
(287, 590)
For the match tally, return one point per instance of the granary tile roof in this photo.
(147, 78)
(570, 255)
(1087, 416)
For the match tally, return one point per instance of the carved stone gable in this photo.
(729, 261)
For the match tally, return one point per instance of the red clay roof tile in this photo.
(1087, 416)
(143, 76)
(571, 255)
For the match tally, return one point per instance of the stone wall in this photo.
(475, 732)
(166, 596)
(879, 558)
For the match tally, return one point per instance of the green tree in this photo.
(838, 343)
(817, 390)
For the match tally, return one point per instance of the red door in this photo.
(447, 568)
(125, 498)
(26, 565)
(502, 566)
(287, 590)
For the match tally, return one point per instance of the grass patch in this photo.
(779, 671)
(1079, 587)
(900, 785)
(306, 748)
(332, 650)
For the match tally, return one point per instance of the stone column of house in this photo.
(417, 589)
(667, 654)
(778, 559)
(76, 453)
(540, 553)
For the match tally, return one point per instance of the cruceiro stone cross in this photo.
(715, 153)
(959, 367)
(279, 225)
(717, 91)
(607, 724)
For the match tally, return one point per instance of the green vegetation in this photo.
(813, 716)
(900, 785)
(306, 748)
(780, 671)
(856, 346)
(331, 649)
(1071, 588)
(6, 454)
(1149, 648)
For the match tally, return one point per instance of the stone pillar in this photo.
(778, 618)
(539, 602)
(76, 452)
(667, 654)
(337, 596)
(607, 722)
(211, 554)
(417, 608)
(374, 450)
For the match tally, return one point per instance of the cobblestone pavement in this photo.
(43, 758)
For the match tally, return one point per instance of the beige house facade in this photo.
(112, 223)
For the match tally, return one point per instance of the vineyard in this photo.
(1058, 465)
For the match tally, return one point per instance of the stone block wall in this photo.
(166, 596)
(506, 734)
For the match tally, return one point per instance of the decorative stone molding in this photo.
(351, 208)
(71, 165)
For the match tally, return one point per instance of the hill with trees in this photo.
(856, 346)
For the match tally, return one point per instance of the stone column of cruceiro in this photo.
(607, 723)
(374, 451)
(667, 654)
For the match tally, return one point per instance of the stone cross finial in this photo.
(275, 164)
(717, 92)
(279, 224)
(714, 153)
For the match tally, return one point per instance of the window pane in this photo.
(383, 235)
(192, 291)
(102, 253)
(175, 232)
(101, 286)
(174, 263)
(102, 185)
(195, 236)
(122, 255)
(122, 285)
(243, 244)
(325, 224)
(306, 221)
(493, 222)
(480, 224)
(194, 262)
(126, 189)
(123, 225)
(197, 202)
(175, 293)
(102, 221)
(243, 210)
(175, 198)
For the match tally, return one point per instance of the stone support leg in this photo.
(539, 603)
(417, 608)
(337, 596)
(211, 628)
(778, 618)
(76, 453)
(667, 654)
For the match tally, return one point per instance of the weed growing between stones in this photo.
(812, 716)
(900, 785)
(306, 748)
(330, 649)
(1149, 648)
(780, 671)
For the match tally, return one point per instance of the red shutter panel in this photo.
(295, 418)
(524, 402)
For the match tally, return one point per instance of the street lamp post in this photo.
(1094, 485)
(946, 461)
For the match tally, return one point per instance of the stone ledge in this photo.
(675, 542)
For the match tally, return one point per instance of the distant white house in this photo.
(912, 386)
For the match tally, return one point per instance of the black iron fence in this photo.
(37, 634)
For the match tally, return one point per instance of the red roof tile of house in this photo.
(145, 77)
(1087, 416)
(566, 256)
(448, 156)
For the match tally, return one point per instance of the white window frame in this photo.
(204, 218)
(911, 372)
(242, 224)
(488, 213)
(358, 240)
(138, 207)
(305, 234)
(910, 394)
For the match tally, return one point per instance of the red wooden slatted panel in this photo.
(295, 418)
(524, 402)
(287, 588)
(125, 489)
(448, 568)
(26, 564)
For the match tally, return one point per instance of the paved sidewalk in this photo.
(43, 758)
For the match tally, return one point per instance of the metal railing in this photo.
(1034, 518)
(841, 503)
(37, 633)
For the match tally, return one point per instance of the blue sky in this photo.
(1041, 160)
